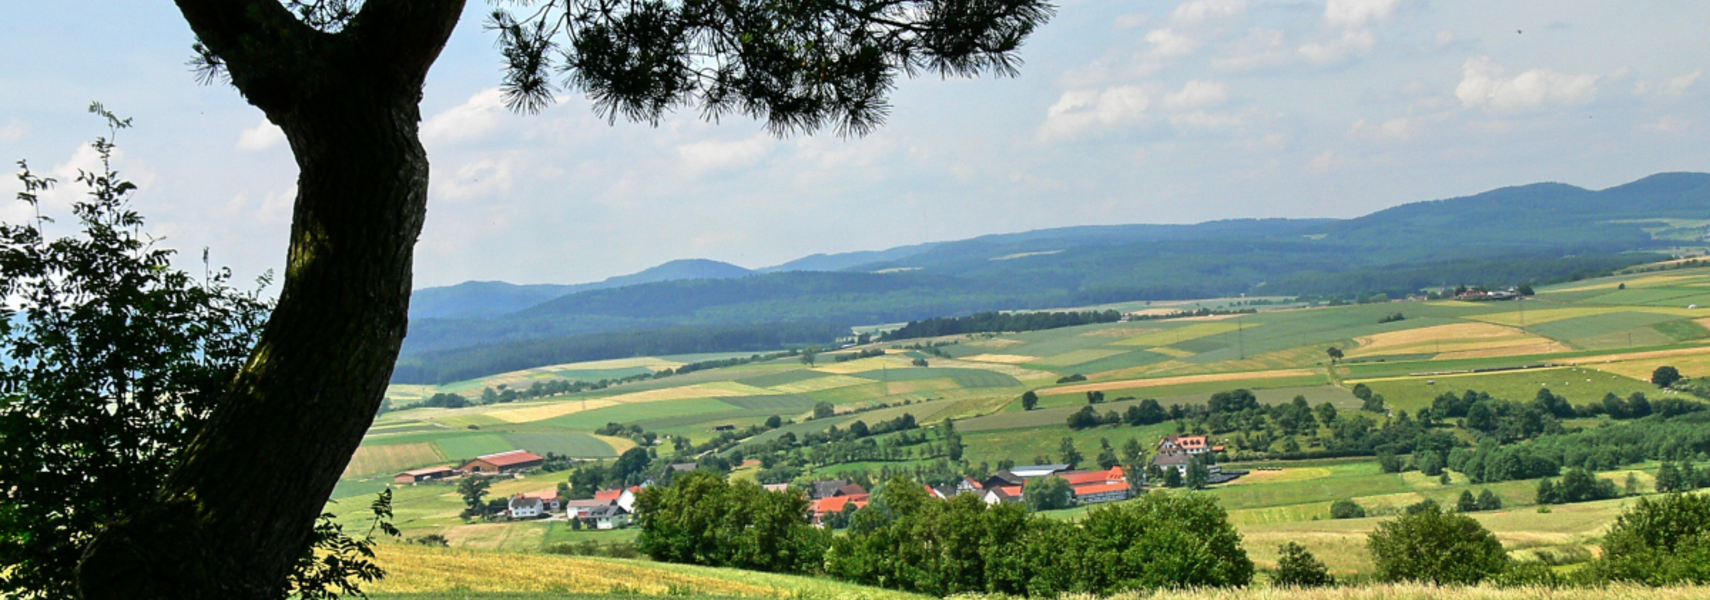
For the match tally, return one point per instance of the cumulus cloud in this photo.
(1261, 47)
(1350, 43)
(1679, 85)
(719, 155)
(481, 114)
(1358, 13)
(262, 136)
(1169, 43)
(1484, 85)
(1194, 11)
(1081, 111)
(1196, 94)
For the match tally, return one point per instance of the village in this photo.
(829, 499)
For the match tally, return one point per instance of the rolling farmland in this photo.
(1583, 340)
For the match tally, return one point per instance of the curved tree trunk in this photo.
(238, 511)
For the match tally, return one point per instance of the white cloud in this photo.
(1398, 129)
(1260, 48)
(12, 130)
(1679, 85)
(262, 136)
(1445, 37)
(1196, 94)
(718, 155)
(1080, 111)
(1168, 43)
(482, 113)
(1205, 121)
(1350, 43)
(1667, 125)
(484, 178)
(1483, 85)
(1194, 11)
(1358, 13)
(1324, 163)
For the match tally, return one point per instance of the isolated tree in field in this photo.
(343, 79)
(1334, 353)
(1467, 502)
(809, 354)
(1297, 567)
(473, 489)
(1489, 501)
(1665, 376)
(1362, 391)
(1346, 509)
(1029, 400)
(1132, 450)
(1107, 455)
(1433, 546)
(824, 410)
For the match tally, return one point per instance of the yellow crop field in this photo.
(920, 385)
(420, 569)
(548, 410)
(374, 460)
(1674, 354)
(493, 536)
(820, 384)
(1690, 365)
(1075, 357)
(1165, 337)
(1004, 359)
(863, 365)
(1458, 340)
(1158, 381)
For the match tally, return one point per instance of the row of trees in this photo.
(993, 322)
(906, 540)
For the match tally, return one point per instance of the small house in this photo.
(607, 517)
(1190, 444)
(523, 507)
(548, 499)
(624, 498)
(999, 494)
(826, 488)
(1094, 493)
(833, 504)
(576, 509)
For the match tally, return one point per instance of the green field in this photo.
(471, 446)
(579, 445)
(1579, 385)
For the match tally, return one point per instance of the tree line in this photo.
(998, 322)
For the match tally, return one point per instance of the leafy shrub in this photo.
(1297, 567)
(1659, 542)
(1433, 546)
(702, 519)
(1346, 509)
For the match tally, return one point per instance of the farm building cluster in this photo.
(613, 508)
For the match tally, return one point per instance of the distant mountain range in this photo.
(1531, 233)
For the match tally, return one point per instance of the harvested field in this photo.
(1174, 335)
(1004, 359)
(920, 385)
(493, 536)
(828, 382)
(1076, 357)
(541, 412)
(1171, 352)
(391, 458)
(1161, 381)
(1450, 339)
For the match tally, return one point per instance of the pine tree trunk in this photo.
(232, 519)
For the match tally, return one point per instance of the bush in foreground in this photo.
(701, 519)
(1297, 567)
(1434, 546)
(1659, 542)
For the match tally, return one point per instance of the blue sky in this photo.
(1125, 112)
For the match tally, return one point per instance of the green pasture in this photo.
(1021, 445)
(1579, 384)
(471, 446)
(1608, 330)
(1204, 389)
(578, 445)
(965, 378)
(782, 378)
(590, 420)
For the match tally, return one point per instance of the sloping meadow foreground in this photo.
(423, 573)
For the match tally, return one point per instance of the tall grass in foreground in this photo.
(1415, 592)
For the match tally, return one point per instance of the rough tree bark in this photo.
(235, 514)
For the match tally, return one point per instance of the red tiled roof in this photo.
(976, 485)
(1013, 491)
(1087, 477)
(852, 489)
(546, 494)
(608, 494)
(836, 503)
(514, 457)
(1099, 488)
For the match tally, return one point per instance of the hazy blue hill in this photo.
(1531, 233)
(476, 299)
(485, 299)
